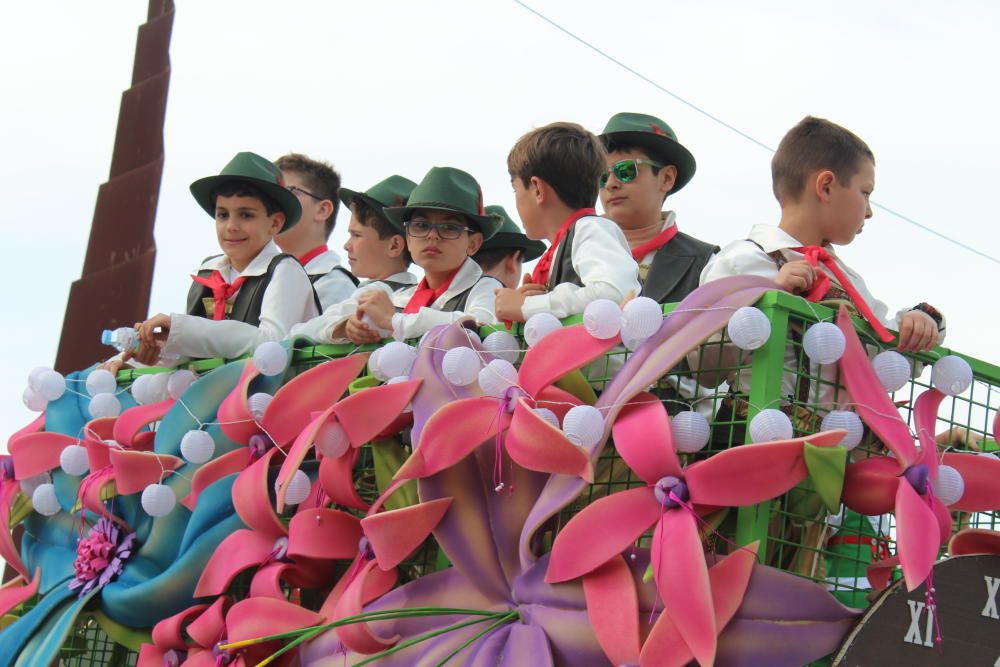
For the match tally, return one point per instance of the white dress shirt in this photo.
(334, 286)
(480, 306)
(323, 329)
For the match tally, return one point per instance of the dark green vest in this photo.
(246, 306)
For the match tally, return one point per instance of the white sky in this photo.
(397, 87)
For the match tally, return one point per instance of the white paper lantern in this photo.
(257, 403)
(769, 425)
(270, 358)
(101, 381)
(549, 416)
(179, 382)
(105, 405)
(473, 336)
(641, 318)
(298, 488)
(73, 460)
(951, 375)
(847, 420)
(691, 431)
(34, 376)
(158, 500)
(496, 377)
(748, 328)
(824, 343)
(602, 318)
(539, 326)
(142, 390)
(52, 385)
(583, 425)
(503, 345)
(892, 369)
(33, 400)
(197, 446)
(29, 484)
(949, 487)
(397, 359)
(158, 384)
(44, 500)
(374, 367)
(461, 366)
(397, 380)
(331, 439)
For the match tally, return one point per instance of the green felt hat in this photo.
(510, 236)
(447, 189)
(653, 136)
(257, 171)
(390, 193)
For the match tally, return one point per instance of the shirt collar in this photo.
(256, 267)
(323, 263)
(771, 238)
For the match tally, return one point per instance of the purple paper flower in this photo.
(101, 556)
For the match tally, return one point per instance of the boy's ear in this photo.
(540, 190)
(512, 262)
(823, 184)
(667, 176)
(325, 210)
(475, 243)
(277, 222)
(396, 245)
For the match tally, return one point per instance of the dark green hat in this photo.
(653, 136)
(390, 193)
(448, 189)
(257, 171)
(511, 236)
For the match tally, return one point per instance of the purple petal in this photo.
(774, 595)
(752, 643)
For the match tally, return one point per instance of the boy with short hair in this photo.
(376, 250)
(503, 255)
(645, 165)
(555, 171)
(445, 224)
(316, 185)
(251, 293)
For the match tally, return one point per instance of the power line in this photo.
(730, 127)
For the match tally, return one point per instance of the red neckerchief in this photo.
(221, 291)
(540, 275)
(313, 254)
(816, 254)
(654, 244)
(425, 296)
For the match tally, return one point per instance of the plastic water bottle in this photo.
(122, 338)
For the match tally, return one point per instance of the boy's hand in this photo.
(358, 332)
(797, 276)
(150, 340)
(376, 304)
(918, 332)
(529, 288)
(114, 365)
(509, 303)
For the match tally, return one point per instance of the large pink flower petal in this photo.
(750, 474)
(210, 626)
(925, 410)
(336, 477)
(37, 424)
(260, 617)
(536, 445)
(134, 471)
(296, 454)
(917, 535)
(323, 533)
(133, 420)
(234, 415)
(239, 551)
(16, 591)
(168, 633)
(600, 531)
(316, 390)
(35, 453)
(451, 433)
(869, 397)
(9, 551)
(870, 485)
(211, 472)
(559, 353)
(559, 401)
(376, 584)
(613, 610)
(645, 440)
(682, 579)
(396, 534)
(359, 636)
(251, 499)
(982, 492)
(880, 572)
(366, 414)
(974, 541)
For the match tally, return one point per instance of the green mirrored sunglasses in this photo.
(626, 170)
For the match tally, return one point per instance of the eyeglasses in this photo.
(626, 170)
(448, 231)
(294, 188)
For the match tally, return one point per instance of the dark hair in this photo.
(320, 177)
(244, 189)
(488, 258)
(369, 217)
(814, 144)
(564, 155)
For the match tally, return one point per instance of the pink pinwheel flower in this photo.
(670, 502)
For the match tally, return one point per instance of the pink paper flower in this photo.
(101, 556)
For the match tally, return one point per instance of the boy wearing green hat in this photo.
(376, 250)
(554, 171)
(315, 184)
(503, 255)
(645, 164)
(445, 225)
(251, 293)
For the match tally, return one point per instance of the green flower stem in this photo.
(506, 618)
(289, 646)
(432, 635)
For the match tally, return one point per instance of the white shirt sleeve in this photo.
(288, 300)
(333, 288)
(739, 258)
(480, 306)
(602, 259)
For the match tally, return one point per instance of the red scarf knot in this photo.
(540, 275)
(654, 244)
(425, 296)
(221, 291)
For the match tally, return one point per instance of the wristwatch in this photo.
(933, 312)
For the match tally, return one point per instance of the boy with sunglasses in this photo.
(645, 164)
(376, 250)
(554, 171)
(445, 224)
(315, 185)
